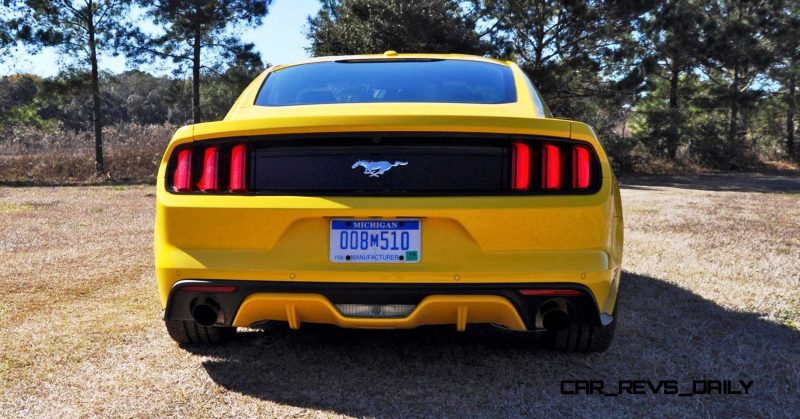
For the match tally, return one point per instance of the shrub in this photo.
(54, 155)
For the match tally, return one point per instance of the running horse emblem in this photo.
(377, 168)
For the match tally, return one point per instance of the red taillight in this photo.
(238, 168)
(551, 293)
(211, 180)
(551, 167)
(581, 169)
(208, 182)
(521, 167)
(209, 288)
(182, 178)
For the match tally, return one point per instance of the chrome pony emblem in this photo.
(377, 168)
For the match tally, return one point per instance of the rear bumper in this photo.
(253, 302)
(465, 240)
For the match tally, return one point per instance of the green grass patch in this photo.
(789, 318)
(9, 207)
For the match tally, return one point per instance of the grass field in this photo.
(711, 290)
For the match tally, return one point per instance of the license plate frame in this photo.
(371, 240)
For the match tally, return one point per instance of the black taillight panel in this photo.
(425, 164)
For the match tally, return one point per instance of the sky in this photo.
(279, 39)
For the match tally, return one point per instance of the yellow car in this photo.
(389, 191)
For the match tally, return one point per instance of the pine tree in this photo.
(579, 54)
(736, 53)
(669, 35)
(80, 29)
(373, 26)
(786, 66)
(195, 28)
(6, 34)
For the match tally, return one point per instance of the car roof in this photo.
(392, 55)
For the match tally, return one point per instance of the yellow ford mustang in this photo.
(389, 191)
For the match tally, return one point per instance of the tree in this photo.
(220, 91)
(786, 67)
(545, 34)
(736, 54)
(80, 29)
(580, 54)
(193, 28)
(669, 33)
(131, 96)
(17, 91)
(373, 26)
(6, 34)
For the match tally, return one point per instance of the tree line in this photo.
(710, 82)
(133, 96)
(81, 29)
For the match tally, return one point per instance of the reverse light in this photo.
(551, 167)
(238, 168)
(542, 292)
(521, 167)
(209, 182)
(182, 177)
(386, 311)
(581, 169)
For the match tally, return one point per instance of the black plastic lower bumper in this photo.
(582, 307)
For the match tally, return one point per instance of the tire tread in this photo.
(579, 337)
(187, 332)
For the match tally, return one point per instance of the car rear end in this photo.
(389, 215)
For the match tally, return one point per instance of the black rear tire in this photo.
(183, 331)
(584, 337)
(579, 337)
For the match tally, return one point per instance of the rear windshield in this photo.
(443, 81)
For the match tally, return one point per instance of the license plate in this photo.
(375, 241)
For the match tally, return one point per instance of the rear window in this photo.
(389, 81)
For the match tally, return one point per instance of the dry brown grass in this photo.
(36, 156)
(710, 291)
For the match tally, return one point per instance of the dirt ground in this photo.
(711, 291)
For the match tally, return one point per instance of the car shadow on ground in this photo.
(665, 333)
(731, 182)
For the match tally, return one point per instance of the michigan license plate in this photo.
(375, 241)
